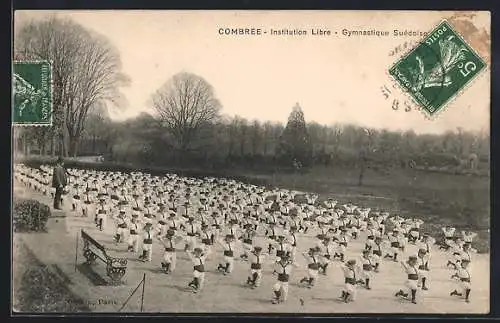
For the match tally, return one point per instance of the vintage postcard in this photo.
(251, 162)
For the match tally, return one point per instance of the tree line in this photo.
(187, 128)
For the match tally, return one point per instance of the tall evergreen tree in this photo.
(295, 146)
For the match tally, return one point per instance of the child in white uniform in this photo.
(463, 278)
(147, 243)
(229, 248)
(342, 245)
(198, 259)
(410, 267)
(377, 253)
(455, 254)
(394, 240)
(169, 256)
(247, 239)
(256, 259)
(327, 254)
(367, 265)
(292, 241)
(133, 238)
(282, 248)
(283, 270)
(449, 238)
(312, 267)
(349, 291)
(423, 267)
(121, 227)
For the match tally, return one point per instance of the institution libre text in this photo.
(318, 32)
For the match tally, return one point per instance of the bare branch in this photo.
(185, 104)
(86, 69)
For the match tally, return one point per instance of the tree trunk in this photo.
(52, 146)
(361, 175)
(43, 147)
(73, 146)
(61, 144)
(25, 146)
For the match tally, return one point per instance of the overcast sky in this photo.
(335, 79)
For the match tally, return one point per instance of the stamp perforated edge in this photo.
(51, 98)
(466, 86)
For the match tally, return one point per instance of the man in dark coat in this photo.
(59, 181)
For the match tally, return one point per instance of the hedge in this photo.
(30, 216)
(36, 162)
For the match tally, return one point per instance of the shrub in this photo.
(30, 215)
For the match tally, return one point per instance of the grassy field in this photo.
(169, 293)
(437, 198)
(38, 287)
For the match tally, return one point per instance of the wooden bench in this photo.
(93, 250)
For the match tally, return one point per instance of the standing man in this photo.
(59, 181)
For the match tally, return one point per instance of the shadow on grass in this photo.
(266, 301)
(184, 289)
(43, 288)
(157, 271)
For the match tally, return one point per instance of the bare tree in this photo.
(366, 138)
(186, 103)
(86, 71)
(97, 126)
(256, 137)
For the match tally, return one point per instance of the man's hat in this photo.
(466, 261)
(412, 258)
(293, 228)
(257, 248)
(422, 251)
(351, 262)
(170, 232)
(198, 250)
(366, 251)
(161, 222)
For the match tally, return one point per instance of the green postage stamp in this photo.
(32, 93)
(435, 71)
